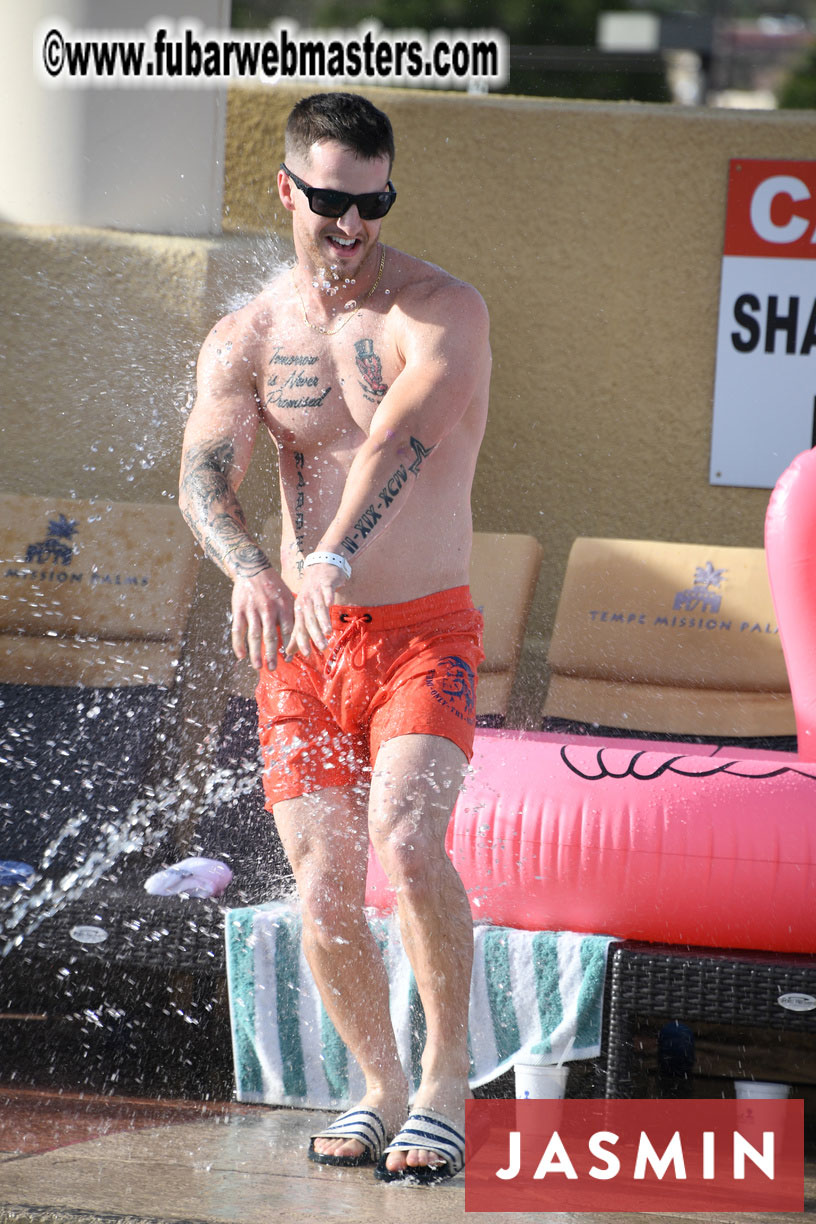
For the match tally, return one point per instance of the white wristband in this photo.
(329, 558)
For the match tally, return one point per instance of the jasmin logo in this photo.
(634, 1155)
(706, 594)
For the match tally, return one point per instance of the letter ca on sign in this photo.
(771, 209)
(778, 195)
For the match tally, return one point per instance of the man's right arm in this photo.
(210, 505)
(218, 443)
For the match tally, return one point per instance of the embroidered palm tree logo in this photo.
(55, 548)
(705, 595)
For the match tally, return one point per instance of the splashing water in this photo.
(67, 800)
(84, 809)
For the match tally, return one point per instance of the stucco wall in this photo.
(594, 233)
(99, 335)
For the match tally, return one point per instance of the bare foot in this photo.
(444, 1095)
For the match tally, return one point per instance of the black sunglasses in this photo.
(371, 205)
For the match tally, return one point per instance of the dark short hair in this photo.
(349, 119)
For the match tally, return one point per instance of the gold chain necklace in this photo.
(328, 331)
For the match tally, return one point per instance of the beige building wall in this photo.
(594, 232)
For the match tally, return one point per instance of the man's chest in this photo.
(320, 388)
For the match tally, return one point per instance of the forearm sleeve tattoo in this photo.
(212, 511)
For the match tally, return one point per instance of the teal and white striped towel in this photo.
(537, 992)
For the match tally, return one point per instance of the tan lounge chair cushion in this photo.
(91, 591)
(680, 638)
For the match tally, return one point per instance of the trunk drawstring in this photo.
(354, 629)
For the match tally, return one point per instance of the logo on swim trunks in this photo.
(453, 684)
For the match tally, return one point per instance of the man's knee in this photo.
(411, 853)
(331, 910)
(326, 841)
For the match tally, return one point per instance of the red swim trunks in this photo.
(398, 669)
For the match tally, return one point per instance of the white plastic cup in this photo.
(760, 1090)
(747, 1091)
(540, 1081)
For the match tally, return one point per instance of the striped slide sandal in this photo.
(433, 1132)
(364, 1125)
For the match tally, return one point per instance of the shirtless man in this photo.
(370, 370)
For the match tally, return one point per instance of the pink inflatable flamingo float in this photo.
(683, 844)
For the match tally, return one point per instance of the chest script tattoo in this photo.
(388, 494)
(295, 384)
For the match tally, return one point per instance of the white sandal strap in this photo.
(433, 1132)
(364, 1125)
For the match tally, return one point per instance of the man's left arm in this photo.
(447, 355)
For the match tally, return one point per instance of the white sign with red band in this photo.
(765, 385)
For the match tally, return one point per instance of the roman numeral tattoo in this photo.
(392, 488)
(366, 522)
(388, 494)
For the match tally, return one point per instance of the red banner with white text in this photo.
(661, 1156)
